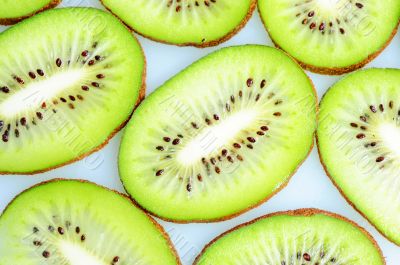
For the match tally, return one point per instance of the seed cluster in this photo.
(362, 126)
(306, 258)
(13, 128)
(66, 230)
(227, 155)
(178, 5)
(310, 19)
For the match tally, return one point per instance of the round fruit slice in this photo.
(200, 23)
(79, 223)
(331, 36)
(301, 237)
(13, 11)
(69, 80)
(220, 137)
(359, 144)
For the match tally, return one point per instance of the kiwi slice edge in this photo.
(374, 163)
(12, 20)
(27, 79)
(302, 258)
(204, 43)
(66, 231)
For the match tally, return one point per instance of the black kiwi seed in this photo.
(263, 83)
(159, 172)
(115, 259)
(100, 76)
(83, 238)
(77, 230)
(160, 148)
(35, 229)
(216, 117)
(95, 84)
(176, 141)
(85, 88)
(58, 62)
(32, 75)
(306, 257)
(46, 254)
(251, 139)
(40, 72)
(264, 128)
(60, 230)
(360, 136)
(237, 146)
(85, 53)
(249, 82)
(37, 243)
(380, 159)
(189, 187)
(167, 139)
(5, 89)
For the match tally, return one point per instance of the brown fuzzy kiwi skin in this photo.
(12, 21)
(345, 197)
(141, 96)
(336, 70)
(306, 212)
(208, 44)
(276, 191)
(157, 225)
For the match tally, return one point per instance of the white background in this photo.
(310, 187)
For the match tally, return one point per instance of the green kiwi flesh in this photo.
(358, 140)
(220, 137)
(301, 237)
(331, 36)
(69, 80)
(199, 23)
(65, 222)
(13, 11)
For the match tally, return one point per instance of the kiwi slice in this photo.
(13, 11)
(331, 36)
(75, 222)
(200, 23)
(301, 237)
(69, 80)
(358, 140)
(220, 137)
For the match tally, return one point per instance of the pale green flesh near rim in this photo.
(296, 240)
(76, 223)
(243, 128)
(187, 21)
(16, 9)
(78, 101)
(359, 144)
(330, 33)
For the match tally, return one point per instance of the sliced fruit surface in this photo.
(331, 36)
(184, 22)
(69, 80)
(359, 143)
(221, 136)
(79, 223)
(12, 11)
(301, 237)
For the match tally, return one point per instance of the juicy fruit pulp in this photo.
(184, 22)
(331, 36)
(221, 136)
(358, 140)
(79, 223)
(13, 11)
(65, 93)
(302, 237)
